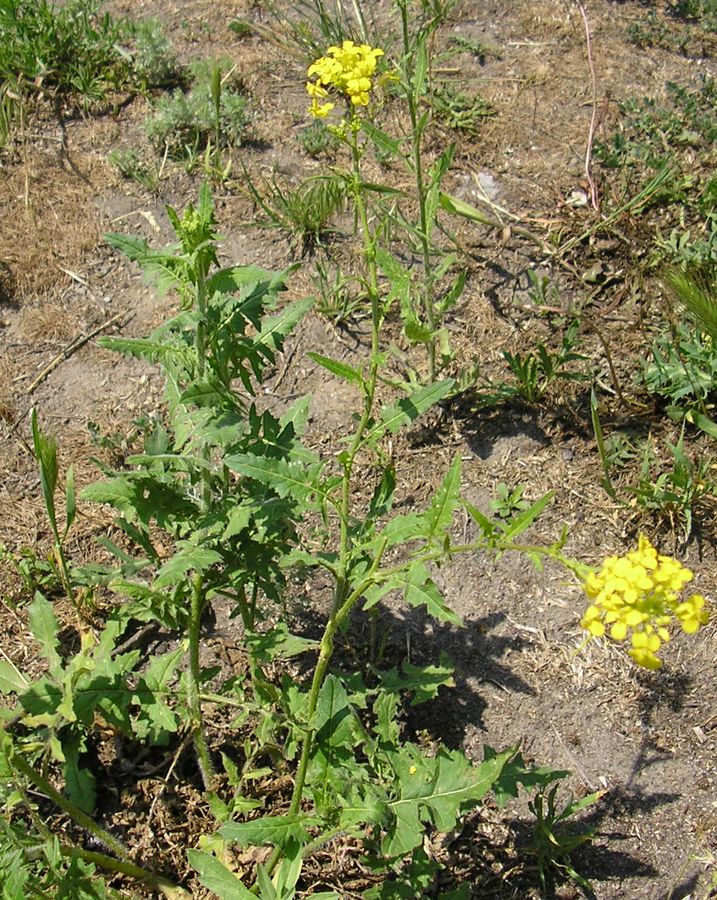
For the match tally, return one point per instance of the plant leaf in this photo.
(46, 456)
(214, 875)
(422, 681)
(393, 418)
(287, 479)
(70, 499)
(420, 590)
(278, 643)
(12, 681)
(439, 515)
(348, 373)
(275, 328)
(268, 830)
(189, 558)
(45, 629)
(384, 142)
(79, 783)
(527, 517)
(465, 210)
(437, 789)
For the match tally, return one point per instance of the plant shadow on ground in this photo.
(478, 654)
(627, 801)
(483, 430)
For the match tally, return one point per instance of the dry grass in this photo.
(47, 222)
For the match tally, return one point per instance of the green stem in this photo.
(160, 884)
(417, 158)
(198, 599)
(67, 806)
(193, 679)
(244, 609)
(344, 599)
(64, 570)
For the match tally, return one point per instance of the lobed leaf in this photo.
(439, 515)
(422, 681)
(275, 830)
(276, 328)
(393, 418)
(287, 479)
(437, 789)
(45, 629)
(420, 590)
(189, 558)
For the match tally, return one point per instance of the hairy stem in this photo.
(67, 806)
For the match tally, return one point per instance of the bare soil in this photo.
(648, 740)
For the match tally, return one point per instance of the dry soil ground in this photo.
(647, 739)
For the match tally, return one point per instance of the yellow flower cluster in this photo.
(347, 69)
(639, 594)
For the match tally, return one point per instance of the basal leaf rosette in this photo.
(638, 597)
(348, 71)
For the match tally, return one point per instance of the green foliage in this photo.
(672, 491)
(310, 26)
(650, 129)
(34, 865)
(228, 534)
(696, 290)
(509, 501)
(482, 52)
(700, 12)
(460, 111)
(317, 141)
(302, 213)
(211, 113)
(675, 492)
(34, 573)
(75, 54)
(45, 450)
(62, 705)
(690, 247)
(339, 296)
(153, 58)
(68, 48)
(683, 368)
(555, 839)
(535, 372)
(130, 164)
(653, 30)
(221, 499)
(10, 111)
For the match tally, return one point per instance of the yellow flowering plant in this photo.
(638, 596)
(347, 70)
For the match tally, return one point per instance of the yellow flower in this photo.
(348, 70)
(637, 596)
(692, 613)
(320, 111)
